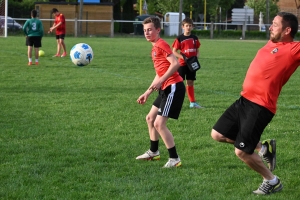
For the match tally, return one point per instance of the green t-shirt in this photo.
(33, 27)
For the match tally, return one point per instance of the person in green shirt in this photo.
(34, 31)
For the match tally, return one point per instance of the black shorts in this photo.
(186, 74)
(244, 123)
(169, 101)
(35, 41)
(61, 36)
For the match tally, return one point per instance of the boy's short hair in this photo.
(54, 10)
(187, 21)
(34, 13)
(154, 20)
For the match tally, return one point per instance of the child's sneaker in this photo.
(29, 63)
(64, 54)
(149, 155)
(36, 63)
(173, 162)
(195, 105)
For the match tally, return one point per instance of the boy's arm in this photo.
(175, 52)
(25, 28)
(174, 65)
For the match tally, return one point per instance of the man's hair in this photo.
(54, 10)
(289, 20)
(154, 20)
(34, 13)
(187, 21)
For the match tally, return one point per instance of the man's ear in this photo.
(287, 30)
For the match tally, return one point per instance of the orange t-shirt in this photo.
(62, 28)
(271, 68)
(160, 51)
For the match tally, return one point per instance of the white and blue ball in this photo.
(81, 54)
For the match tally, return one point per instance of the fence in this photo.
(115, 27)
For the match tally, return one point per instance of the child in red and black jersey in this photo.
(188, 45)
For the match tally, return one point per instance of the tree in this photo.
(260, 6)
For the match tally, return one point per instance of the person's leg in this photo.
(255, 162)
(36, 51)
(164, 132)
(190, 78)
(29, 53)
(190, 90)
(152, 153)
(62, 41)
(58, 41)
(220, 138)
(150, 118)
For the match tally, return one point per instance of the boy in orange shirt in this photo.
(169, 101)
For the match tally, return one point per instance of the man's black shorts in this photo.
(35, 41)
(244, 122)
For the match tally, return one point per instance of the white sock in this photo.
(29, 59)
(273, 181)
(36, 60)
(263, 150)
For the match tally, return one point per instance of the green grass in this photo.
(72, 132)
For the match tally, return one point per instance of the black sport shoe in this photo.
(266, 188)
(270, 155)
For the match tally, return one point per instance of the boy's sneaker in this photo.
(266, 188)
(64, 54)
(56, 55)
(36, 63)
(149, 155)
(195, 105)
(270, 155)
(29, 63)
(173, 162)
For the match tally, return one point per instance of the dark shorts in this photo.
(61, 36)
(186, 74)
(244, 122)
(170, 100)
(35, 41)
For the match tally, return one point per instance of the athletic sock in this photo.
(30, 59)
(154, 145)
(191, 93)
(36, 60)
(172, 152)
(273, 181)
(263, 150)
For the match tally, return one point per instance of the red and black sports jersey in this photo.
(187, 45)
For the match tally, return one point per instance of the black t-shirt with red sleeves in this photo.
(187, 45)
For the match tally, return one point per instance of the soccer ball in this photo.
(41, 53)
(81, 54)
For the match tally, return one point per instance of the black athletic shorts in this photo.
(35, 41)
(244, 122)
(61, 36)
(186, 74)
(169, 101)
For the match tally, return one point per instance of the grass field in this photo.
(72, 132)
